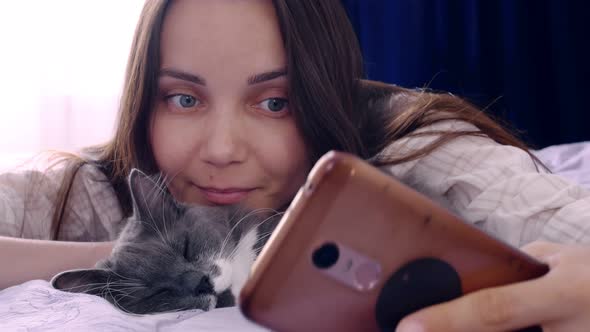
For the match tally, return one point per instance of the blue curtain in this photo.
(527, 61)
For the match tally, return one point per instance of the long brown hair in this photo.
(130, 147)
(326, 92)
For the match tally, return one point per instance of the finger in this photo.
(503, 308)
(542, 249)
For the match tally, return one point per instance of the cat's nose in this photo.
(204, 287)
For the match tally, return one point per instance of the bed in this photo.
(35, 306)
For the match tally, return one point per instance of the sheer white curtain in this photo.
(62, 64)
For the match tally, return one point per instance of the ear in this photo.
(149, 196)
(89, 281)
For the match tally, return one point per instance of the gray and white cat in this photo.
(172, 257)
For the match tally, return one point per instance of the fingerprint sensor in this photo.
(367, 275)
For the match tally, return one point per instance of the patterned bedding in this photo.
(36, 306)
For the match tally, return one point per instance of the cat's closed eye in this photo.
(164, 291)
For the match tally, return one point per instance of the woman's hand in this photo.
(558, 301)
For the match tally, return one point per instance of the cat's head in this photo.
(172, 256)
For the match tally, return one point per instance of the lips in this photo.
(225, 196)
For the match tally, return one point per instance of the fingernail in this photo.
(410, 326)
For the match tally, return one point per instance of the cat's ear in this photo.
(150, 198)
(89, 281)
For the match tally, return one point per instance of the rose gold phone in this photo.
(358, 250)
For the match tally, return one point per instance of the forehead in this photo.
(216, 34)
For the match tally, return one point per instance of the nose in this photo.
(196, 282)
(204, 287)
(224, 140)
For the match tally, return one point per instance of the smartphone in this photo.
(358, 250)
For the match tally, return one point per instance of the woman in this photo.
(234, 101)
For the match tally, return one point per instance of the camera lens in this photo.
(325, 256)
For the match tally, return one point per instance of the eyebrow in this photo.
(183, 76)
(268, 76)
(196, 79)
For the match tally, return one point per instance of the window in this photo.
(62, 64)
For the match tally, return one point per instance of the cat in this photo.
(172, 257)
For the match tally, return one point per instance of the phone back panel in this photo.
(349, 202)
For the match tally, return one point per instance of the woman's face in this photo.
(222, 131)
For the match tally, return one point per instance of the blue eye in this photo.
(274, 104)
(184, 101)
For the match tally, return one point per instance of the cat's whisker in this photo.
(106, 290)
(163, 306)
(122, 308)
(270, 218)
(228, 236)
(125, 278)
(125, 295)
(260, 236)
(122, 296)
(263, 236)
(158, 190)
(232, 254)
(259, 249)
(125, 281)
(114, 298)
(154, 307)
(154, 228)
(164, 180)
(234, 215)
(164, 221)
(121, 286)
(129, 285)
(160, 185)
(102, 292)
(255, 211)
(182, 309)
(266, 235)
(91, 289)
(151, 217)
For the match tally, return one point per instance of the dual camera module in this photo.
(346, 265)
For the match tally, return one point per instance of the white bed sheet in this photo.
(36, 306)
(569, 160)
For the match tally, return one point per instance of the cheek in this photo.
(169, 144)
(287, 162)
(169, 137)
(284, 157)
